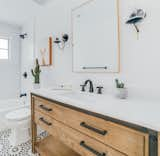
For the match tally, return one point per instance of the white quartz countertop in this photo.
(142, 112)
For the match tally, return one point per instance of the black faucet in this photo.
(91, 88)
(21, 95)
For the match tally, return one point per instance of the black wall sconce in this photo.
(137, 16)
(62, 42)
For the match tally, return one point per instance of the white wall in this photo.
(139, 58)
(10, 69)
(17, 11)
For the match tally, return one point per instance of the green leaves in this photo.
(36, 72)
(119, 84)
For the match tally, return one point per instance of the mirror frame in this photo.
(119, 43)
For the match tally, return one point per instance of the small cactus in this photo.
(36, 73)
(118, 84)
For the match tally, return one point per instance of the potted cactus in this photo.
(121, 91)
(36, 74)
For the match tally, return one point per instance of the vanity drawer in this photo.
(80, 143)
(124, 139)
(44, 106)
(44, 121)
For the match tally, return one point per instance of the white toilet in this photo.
(19, 121)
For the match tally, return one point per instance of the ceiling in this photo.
(18, 11)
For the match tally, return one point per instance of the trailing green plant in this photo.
(119, 84)
(36, 72)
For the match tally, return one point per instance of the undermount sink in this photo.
(82, 96)
(79, 96)
(67, 93)
(61, 91)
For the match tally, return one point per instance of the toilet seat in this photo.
(18, 115)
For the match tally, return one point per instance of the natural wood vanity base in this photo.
(53, 147)
(74, 133)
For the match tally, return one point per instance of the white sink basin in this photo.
(83, 96)
(60, 91)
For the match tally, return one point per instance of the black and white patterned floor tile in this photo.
(21, 150)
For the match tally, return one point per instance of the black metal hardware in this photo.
(64, 39)
(44, 121)
(21, 95)
(101, 132)
(83, 88)
(136, 17)
(82, 143)
(95, 68)
(25, 75)
(23, 36)
(57, 41)
(62, 42)
(45, 108)
(153, 144)
(99, 90)
(91, 88)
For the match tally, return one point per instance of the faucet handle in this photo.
(99, 89)
(83, 88)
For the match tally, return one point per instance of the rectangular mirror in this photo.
(96, 43)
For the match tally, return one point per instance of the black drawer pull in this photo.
(83, 124)
(45, 108)
(44, 121)
(82, 143)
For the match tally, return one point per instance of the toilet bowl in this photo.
(19, 122)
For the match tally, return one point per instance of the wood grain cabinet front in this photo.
(80, 143)
(87, 134)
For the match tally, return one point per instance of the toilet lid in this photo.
(19, 114)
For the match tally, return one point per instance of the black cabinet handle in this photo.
(83, 124)
(82, 143)
(44, 121)
(45, 108)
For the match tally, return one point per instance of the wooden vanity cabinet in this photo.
(81, 134)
